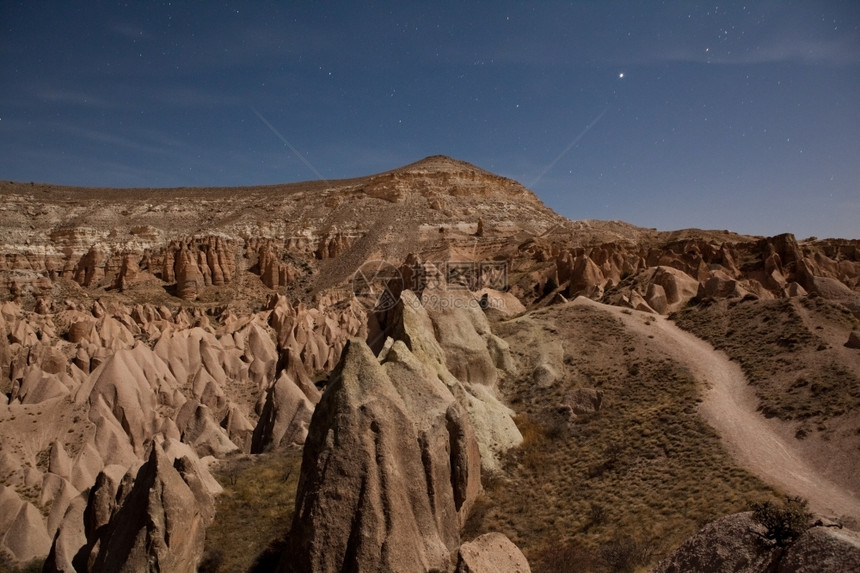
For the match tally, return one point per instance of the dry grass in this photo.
(798, 375)
(616, 489)
(7, 565)
(254, 513)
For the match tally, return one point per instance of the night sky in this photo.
(719, 115)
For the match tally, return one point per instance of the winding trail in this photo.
(729, 406)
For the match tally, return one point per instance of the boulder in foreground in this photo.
(736, 544)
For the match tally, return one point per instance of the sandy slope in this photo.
(730, 407)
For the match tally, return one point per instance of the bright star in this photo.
(621, 75)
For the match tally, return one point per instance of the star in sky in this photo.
(162, 95)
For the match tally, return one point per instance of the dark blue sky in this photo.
(735, 115)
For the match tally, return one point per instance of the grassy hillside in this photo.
(613, 489)
(617, 488)
(791, 352)
(254, 513)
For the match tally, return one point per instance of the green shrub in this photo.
(569, 556)
(623, 554)
(8, 565)
(784, 523)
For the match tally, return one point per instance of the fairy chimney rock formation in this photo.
(389, 462)
(157, 525)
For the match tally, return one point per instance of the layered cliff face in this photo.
(185, 240)
(204, 324)
(219, 246)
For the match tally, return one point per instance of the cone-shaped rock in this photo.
(377, 490)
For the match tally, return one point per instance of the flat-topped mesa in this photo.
(305, 239)
(127, 240)
(439, 175)
(445, 164)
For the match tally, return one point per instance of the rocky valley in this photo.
(421, 370)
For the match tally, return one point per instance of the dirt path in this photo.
(730, 407)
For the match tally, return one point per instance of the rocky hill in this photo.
(423, 335)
